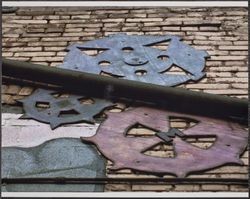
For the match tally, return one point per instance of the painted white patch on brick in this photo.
(30, 133)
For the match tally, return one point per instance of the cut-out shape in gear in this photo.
(49, 106)
(133, 57)
(127, 152)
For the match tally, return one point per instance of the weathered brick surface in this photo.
(42, 35)
(118, 187)
(187, 187)
(152, 187)
(217, 187)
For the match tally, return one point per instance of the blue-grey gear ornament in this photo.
(51, 107)
(133, 57)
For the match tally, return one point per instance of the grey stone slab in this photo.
(63, 157)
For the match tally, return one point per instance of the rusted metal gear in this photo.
(50, 107)
(133, 57)
(127, 152)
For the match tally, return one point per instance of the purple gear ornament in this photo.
(127, 152)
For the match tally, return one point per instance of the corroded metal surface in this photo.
(133, 57)
(127, 152)
(61, 110)
(57, 158)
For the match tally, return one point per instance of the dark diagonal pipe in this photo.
(175, 99)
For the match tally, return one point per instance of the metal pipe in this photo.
(61, 180)
(174, 99)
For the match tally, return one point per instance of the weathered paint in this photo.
(132, 57)
(127, 152)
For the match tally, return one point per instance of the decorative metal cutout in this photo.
(49, 107)
(168, 136)
(127, 152)
(133, 57)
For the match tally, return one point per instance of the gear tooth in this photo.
(181, 174)
(54, 125)
(20, 100)
(87, 139)
(106, 104)
(205, 53)
(110, 113)
(110, 104)
(89, 119)
(238, 161)
(92, 120)
(116, 167)
(25, 116)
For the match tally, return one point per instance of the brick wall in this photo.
(41, 35)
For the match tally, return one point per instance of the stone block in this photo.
(7, 54)
(113, 20)
(187, 187)
(239, 52)
(171, 28)
(47, 59)
(7, 99)
(73, 30)
(189, 28)
(217, 187)
(240, 86)
(9, 35)
(34, 12)
(233, 47)
(13, 89)
(80, 17)
(238, 188)
(118, 187)
(143, 19)
(152, 187)
(54, 30)
(46, 17)
(54, 48)
(34, 54)
(231, 58)
(227, 92)
(203, 22)
(60, 39)
(28, 21)
(26, 91)
(209, 28)
(52, 43)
